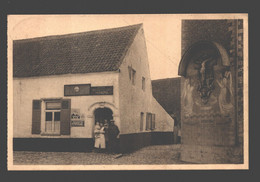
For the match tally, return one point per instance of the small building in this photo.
(168, 93)
(63, 84)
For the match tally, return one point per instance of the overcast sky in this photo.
(162, 33)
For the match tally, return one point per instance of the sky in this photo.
(162, 34)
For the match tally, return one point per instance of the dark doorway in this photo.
(102, 114)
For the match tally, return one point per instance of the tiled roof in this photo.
(94, 51)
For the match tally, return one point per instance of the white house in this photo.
(63, 84)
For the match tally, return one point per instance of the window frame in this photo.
(53, 122)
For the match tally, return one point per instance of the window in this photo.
(52, 117)
(131, 73)
(143, 83)
(153, 122)
(141, 121)
(133, 76)
(150, 121)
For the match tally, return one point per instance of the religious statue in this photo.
(226, 92)
(205, 76)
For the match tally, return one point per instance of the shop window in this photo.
(143, 83)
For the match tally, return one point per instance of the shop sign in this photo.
(77, 119)
(77, 90)
(106, 90)
(77, 123)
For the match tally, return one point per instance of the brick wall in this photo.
(206, 136)
(235, 29)
(212, 30)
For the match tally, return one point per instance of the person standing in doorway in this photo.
(102, 137)
(99, 136)
(113, 132)
(96, 134)
(106, 132)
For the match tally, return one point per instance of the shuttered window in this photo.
(56, 117)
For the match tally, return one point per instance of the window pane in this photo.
(53, 105)
(48, 126)
(57, 127)
(48, 116)
(56, 116)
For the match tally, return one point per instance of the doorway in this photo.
(102, 114)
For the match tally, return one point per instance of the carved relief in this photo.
(188, 98)
(226, 93)
(205, 66)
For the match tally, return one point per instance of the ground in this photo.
(157, 154)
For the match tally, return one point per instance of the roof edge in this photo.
(129, 44)
(50, 37)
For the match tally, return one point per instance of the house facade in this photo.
(64, 84)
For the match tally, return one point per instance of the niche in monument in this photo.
(207, 103)
(207, 87)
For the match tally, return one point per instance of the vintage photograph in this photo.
(138, 92)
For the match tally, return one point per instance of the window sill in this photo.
(50, 134)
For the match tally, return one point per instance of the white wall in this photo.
(28, 89)
(133, 100)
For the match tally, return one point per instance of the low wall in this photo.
(127, 142)
(135, 141)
